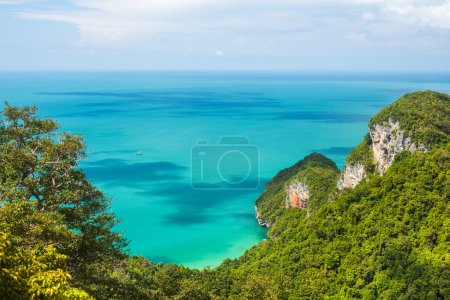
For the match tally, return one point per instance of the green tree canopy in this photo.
(46, 199)
(38, 274)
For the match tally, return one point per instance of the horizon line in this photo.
(292, 71)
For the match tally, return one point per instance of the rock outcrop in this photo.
(304, 186)
(352, 175)
(261, 221)
(297, 195)
(388, 140)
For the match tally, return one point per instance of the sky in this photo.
(295, 35)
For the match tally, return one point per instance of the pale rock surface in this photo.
(388, 140)
(353, 174)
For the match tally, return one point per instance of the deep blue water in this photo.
(163, 116)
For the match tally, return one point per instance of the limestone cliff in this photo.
(297, 195)
(359, 164)
(352, 175)
(387, 140)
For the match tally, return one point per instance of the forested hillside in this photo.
(380, 229)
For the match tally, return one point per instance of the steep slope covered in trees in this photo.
(318, 173)
(387, 238)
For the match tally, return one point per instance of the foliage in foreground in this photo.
(38, 274)
(47, 201)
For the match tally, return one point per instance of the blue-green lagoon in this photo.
(143, 128)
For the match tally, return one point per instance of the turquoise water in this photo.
(163, 116)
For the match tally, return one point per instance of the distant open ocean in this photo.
(141, 127)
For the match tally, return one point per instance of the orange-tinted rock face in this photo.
(294, 199)
(297, 196)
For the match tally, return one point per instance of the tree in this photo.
(38, 274)
(46, 199)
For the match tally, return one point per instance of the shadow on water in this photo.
(320, 116)
(344, 151)
(168, 182)
(191, 205)
(186, 104)
(119, 172)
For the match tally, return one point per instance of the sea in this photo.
(184, 155)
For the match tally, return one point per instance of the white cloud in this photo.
(368, 16)
(91, 34)
(240, 40)
(220, 53)
(108, 21)
(418, 12)
(357, 36)
(12, 2)
(248, 34)
(432, 15)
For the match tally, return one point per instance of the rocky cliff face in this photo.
(352, 175)
(297, 195)
(261, 221)
(388, 140)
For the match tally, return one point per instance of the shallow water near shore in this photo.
(142, 128)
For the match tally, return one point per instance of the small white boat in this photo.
(139, 153)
